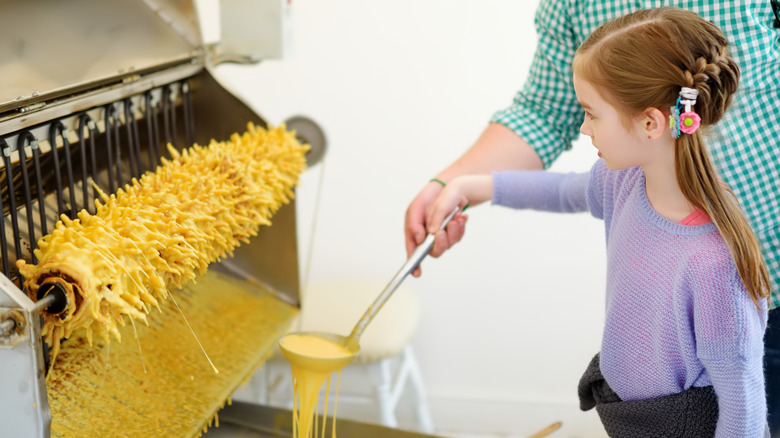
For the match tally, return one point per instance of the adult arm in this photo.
(528, 135)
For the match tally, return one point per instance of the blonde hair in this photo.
(641, 61)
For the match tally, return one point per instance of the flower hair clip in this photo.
(674, 119)
(687, 122)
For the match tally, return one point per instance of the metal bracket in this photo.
(18, 334)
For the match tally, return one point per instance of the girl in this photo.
(682, 347)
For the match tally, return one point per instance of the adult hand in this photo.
(415, 224)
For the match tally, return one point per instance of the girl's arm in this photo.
(547, 191)
(729, 343)
(739, 385)
(536, 190)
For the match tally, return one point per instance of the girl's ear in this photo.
(654, 123)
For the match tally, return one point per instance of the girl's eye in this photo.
(588, 115)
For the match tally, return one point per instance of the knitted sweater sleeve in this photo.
(729, 332)
(541, 190)
(549, 191)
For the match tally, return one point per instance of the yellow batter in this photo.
(166, 387)
(161, 231)
(314, 346)
(313, 360)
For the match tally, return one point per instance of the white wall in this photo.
(513, 313)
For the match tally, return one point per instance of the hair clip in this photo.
(689, 121)
(674, 119)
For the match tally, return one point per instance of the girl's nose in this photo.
(584, 128)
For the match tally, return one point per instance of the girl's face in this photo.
(619, 145)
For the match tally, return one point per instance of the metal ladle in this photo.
(352, 342)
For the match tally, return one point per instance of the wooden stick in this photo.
(547, 430)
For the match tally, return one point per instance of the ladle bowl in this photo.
(352, 342)
(317, 363)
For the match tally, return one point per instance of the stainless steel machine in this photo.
(92, 91)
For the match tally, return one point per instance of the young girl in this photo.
(681, 352)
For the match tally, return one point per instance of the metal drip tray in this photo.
(247, 420)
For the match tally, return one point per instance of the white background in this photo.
(511, 315)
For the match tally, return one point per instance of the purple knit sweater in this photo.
(677, 312)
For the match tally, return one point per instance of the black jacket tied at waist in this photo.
(688, 414)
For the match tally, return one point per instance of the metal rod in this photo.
(158, 144)
(85, 121)
(55, 128)
(12, 200)
(3, 237)
(109, 110)
(174, 131)
(52, 297)
(56, 297)
(118, 157)
(189, 119)
(72, 208)
(151, 129)
(46, 301)
(137, 139)
(134, 165)
(84, 166)
(410, 265)
(39, 185)
(20, 144)
(166, 122)
(4, 243)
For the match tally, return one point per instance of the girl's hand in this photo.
(460, 192)
(450, 197)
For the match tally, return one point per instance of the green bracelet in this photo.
(443, 184)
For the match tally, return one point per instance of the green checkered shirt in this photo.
(744, 145)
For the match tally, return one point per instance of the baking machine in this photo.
(92, 91)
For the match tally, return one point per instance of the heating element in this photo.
(100, 145)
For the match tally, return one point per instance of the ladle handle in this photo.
(411, 264)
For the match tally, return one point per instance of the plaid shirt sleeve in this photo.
(545, 113)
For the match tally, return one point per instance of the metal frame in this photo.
(105, 127)
(26, 411)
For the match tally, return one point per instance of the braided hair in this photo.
(643, 60)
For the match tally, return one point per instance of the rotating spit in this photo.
(52, 299)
